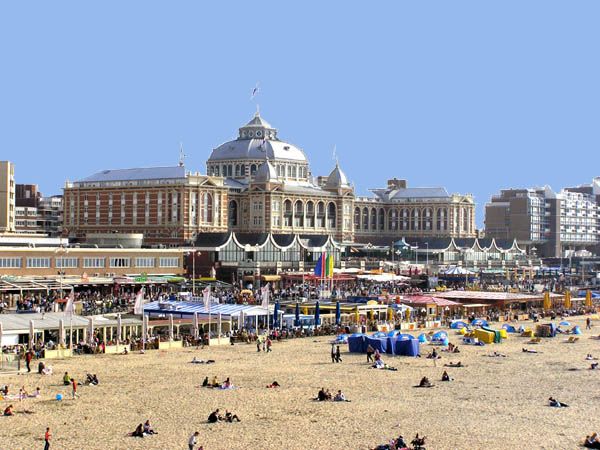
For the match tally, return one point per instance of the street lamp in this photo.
(194, 253)
(427, 254)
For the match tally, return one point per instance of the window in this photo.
(93, 263)
(10, 263)
(144, 262)
(276, 221)
(38, 263)
(275, 205)
(66, 262)
(169, 261)
(119, 262)
(233, 213)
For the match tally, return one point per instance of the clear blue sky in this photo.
(471, 95)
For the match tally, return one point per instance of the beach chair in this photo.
(535, 340)
(527, 333)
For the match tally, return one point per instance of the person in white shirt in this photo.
(339, 397)
(193, 440)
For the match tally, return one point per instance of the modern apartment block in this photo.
(7, 197)
(35, 214)
(554, 224)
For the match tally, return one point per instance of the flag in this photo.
(69, 307)
(329, 268)
(206, 294)
(254, 92)
(320, 267)
(264, 292)
(138, 307)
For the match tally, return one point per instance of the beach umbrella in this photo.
(567, 300)
(61, 332)
(297, 314)
(588, 299)
(170, 327)
(547, 302)
(195, 326)
(338, 313)
(31, 333)
(90, 330)
(119, 326)
(1, 330)
(276, 314)
(317, 314)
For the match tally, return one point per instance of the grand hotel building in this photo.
(256, 184)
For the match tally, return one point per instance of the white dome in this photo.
(337, 179)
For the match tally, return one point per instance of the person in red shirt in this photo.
(47, 437)
(28, 358)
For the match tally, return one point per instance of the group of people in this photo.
(324, 395)
(215, 383)
(143, 430)
(215, 417)
(399, 443)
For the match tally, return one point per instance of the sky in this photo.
(474, 96)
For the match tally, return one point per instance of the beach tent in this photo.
(378, 344)
(509, 328)
(392, 333)
(439, 336)
(485, 336)
(564, 323)
(379, 334)
(497, 335)
(479, 323)
(458, 324)
(422, 338)
(357, 343)
(407, 347)
(577, 330)
(404, 337)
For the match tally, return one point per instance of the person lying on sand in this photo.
(36, 394)
(451, 364)
(556, 404)
(592, 441)
(274, 384)
(589, 357)
(201, 361)
(496, 355)
(594, 366)
(529, 351)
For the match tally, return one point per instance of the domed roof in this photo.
(337, 179)
(265, 173)
(257, 140)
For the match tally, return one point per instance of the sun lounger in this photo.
(572, 340)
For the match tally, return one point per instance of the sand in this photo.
(494, 403)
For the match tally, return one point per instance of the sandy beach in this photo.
(494, 403)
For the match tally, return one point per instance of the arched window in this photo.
(331, 215)
(207, 207)
(373, 219)
(404, 219)
(287, 213)
(252, 169)
(381, 220)
(427, 219)
(356, 219)
(442, 219)
(365, 219)
(232, 214)
(393, 220)
(310, 214)
(320, 215)
(298, 214)
(237, 170)
(416, 222)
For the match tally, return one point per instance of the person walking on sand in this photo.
(338, 357)
(193, 440)
(28, 358)
(74, 385)
(47, 437)
(332, 353)
(588, 323)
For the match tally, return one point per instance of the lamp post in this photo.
(427, 254)
(61, 272)
(194, 253)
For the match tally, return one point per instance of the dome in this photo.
(337, 179)
(265, 173)
(257, 140)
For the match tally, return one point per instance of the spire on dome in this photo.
(337, 178)
(257, 128)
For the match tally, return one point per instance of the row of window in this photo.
(88, 263)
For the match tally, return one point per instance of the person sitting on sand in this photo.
(425, 382)
(139, 431)
(8, 411)
(214, 416)
(589, 357)
(148, 428)
(91, 379)
(433, 355)
(215, 382)
(594, 366)
(322, 396)
(227, 384)
(556, 404)
(418, 442)
(205, 382)
(340, 397)
(4, 390)
(446, 377)
(592, 441)
(37, 393)
(125, 351)
(229, 417)
(328, 395)
(274, 384)
(66, 379)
